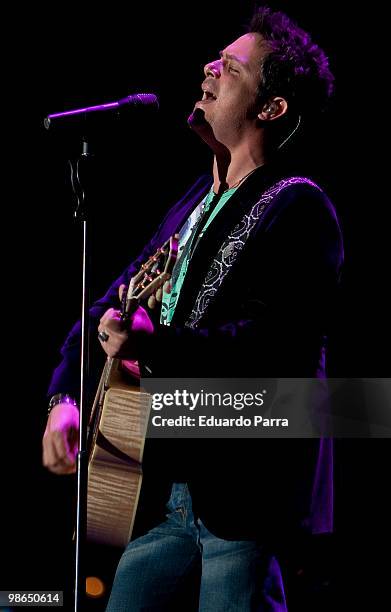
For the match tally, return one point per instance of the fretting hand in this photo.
(123, 338)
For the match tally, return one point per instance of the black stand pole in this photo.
(81, 214)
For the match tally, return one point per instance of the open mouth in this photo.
(209, 96)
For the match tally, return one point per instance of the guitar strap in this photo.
(229, 251)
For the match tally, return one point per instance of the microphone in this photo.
(134, 100)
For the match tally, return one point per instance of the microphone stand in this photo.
(81, 215)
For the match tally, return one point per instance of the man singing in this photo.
(276, 240)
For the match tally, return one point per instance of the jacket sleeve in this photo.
(66, 376)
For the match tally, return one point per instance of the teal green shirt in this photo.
(186, 235)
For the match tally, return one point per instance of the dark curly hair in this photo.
(294, 67)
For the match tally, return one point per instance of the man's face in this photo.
(230, 91)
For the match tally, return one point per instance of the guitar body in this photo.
(115, 472)
(119, 422)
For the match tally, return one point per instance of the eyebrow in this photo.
(232, 57)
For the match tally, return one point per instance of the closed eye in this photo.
(228, 66)
(232, 69)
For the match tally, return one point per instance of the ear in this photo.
(273, 109)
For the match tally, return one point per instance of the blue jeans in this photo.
(181, 566)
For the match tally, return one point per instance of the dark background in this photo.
(68, 57)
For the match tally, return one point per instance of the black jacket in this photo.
(269, 319)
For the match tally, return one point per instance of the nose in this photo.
(213, 69)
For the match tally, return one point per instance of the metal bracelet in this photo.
(60, 398)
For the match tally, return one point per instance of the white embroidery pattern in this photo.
(233, 245)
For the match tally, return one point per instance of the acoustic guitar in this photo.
(119, 422)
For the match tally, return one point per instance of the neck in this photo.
(230, 168)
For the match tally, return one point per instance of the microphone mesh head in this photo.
(140, 99)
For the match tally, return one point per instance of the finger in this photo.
(61, 448)
(54, 458)
(151, 302)
(102, 328)
(167, 287)
(112, 323)
(112, 314)
(50, 456)
(45, 454)
(106, 316)
(62, 470)
(159, 294)
(51, 462)
(121, 289)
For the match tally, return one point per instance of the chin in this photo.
(197, 118)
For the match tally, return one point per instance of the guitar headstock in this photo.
(152, 275)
